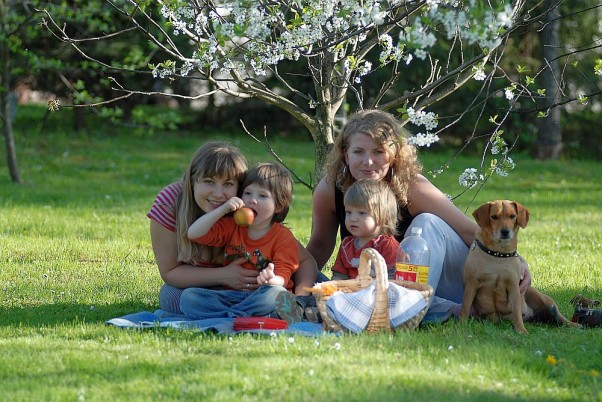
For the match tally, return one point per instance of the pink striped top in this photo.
(163, 210)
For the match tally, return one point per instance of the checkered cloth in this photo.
(353, 310)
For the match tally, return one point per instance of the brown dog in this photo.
(493, 270)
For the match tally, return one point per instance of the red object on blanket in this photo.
(247, 323)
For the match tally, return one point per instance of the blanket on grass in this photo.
(161, 319)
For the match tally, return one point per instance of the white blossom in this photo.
(253, 36)
(423, 140)
(502, 168)
(470, 178)
(422, 118)
(498, 147)
(479, 74)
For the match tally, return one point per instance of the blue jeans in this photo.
(448, 255)
(201, 303)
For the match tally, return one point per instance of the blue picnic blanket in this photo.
(162, 319)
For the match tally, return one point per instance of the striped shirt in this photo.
(163, 210)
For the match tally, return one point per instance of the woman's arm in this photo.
(324, 224)
(423, 196)
(203, 224)
(181, 275)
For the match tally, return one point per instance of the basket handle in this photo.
(370, 257)
(380, 315)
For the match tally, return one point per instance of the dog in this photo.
(493, 268)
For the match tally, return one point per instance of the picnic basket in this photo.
(379, 319)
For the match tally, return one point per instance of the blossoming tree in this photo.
(238, 44)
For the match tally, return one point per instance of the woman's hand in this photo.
(239, 278)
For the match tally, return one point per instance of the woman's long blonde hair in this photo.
(385, 130)
(213, 159)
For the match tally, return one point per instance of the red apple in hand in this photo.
(244, 216)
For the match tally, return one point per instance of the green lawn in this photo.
(75, 251)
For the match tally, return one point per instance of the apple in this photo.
(244, 216)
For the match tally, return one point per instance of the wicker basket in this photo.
(380, 316)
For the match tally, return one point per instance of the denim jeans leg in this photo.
(448, 255)
(259, 303)
(306, 301)
(322, 277)
(201, 303)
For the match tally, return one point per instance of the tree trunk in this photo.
(5, 105)
(9, 139)
(549, 136)
(330, 94)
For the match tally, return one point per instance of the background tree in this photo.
(413, 53)
(238, 44)
(31, 57)
(13, 26)
(549, 136)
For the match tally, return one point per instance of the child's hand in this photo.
(265, 275)
(232, 205)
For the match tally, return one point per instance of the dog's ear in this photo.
(522, 215)
(481, 215)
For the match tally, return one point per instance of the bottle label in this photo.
(411, 272)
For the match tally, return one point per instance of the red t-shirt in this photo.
(348, 258)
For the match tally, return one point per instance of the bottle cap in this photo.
(416, 230)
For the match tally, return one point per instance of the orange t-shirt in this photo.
(278, 246)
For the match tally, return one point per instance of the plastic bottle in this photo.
(413, 258)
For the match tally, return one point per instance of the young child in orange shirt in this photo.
(266, 243)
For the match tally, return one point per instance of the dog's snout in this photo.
(505, 233)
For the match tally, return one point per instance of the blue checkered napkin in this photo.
(352, 310)
(404, 304)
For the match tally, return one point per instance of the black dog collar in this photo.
(495, 253)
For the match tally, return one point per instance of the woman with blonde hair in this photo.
(213, 176)
(373, 145)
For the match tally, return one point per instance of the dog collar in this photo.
(494, 253)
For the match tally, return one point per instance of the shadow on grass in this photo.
(67, 313)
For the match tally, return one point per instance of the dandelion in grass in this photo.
(551, 360)
(336, 346)
(291, 340)
(316, 343)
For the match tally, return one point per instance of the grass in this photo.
(75, 251)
